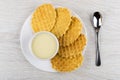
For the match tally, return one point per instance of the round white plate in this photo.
(26, 35)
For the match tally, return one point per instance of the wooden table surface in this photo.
(14, 66)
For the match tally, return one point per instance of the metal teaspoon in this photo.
(97, 23)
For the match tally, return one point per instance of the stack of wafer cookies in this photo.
(70, 57)
(68, 30)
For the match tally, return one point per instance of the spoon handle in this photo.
(98, 60)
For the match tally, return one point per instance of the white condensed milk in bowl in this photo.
(44, 45)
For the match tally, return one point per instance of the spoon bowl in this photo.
(97, 20)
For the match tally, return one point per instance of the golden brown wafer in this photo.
(72, 34)
(43, 18)
(62, 21)
(74, 48)
(66, 64)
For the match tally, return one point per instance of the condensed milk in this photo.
(44, 45)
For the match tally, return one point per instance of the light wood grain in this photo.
(13, 65)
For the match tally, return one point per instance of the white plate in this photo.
(26, 35)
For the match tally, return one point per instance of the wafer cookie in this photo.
(72, 34)
(66, 64)
(74, 48)
(43, 18)
(62, 21)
